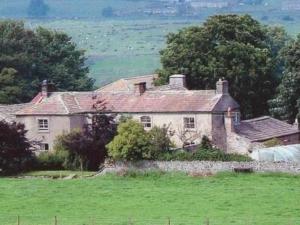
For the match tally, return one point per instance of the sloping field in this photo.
(151, 199)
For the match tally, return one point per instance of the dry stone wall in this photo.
(201, 166)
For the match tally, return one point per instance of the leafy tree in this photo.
(87, 147)
(286, 105)
(15, 153)
(9, 85)
(235, 47)
(37, 8)
(27, 57)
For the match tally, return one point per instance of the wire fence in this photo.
(56, 220)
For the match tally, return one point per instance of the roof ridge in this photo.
(260, 119)
(142, 76)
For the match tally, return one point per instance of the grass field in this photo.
(224, 199)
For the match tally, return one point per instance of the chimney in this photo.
(139, 88)
(45, 88)
(222, 87)
(177, 81)
(229, 123)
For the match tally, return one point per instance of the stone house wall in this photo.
(203, 125)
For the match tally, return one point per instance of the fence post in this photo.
(18, 220)
(55, 220)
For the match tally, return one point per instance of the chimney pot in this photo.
(222, 87)
(45, 88)
(177, 81)
(140, 88)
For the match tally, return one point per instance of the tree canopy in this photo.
(15, 153)
(234, 47)
(29, 56)
(286, 105)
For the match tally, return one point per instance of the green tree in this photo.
(37, 8)
(235, 47)
(15, 153)
(286, 105)
(35, 56)
(9, 85)
(131, 143)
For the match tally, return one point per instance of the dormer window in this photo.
(43, 125)
(146, 121)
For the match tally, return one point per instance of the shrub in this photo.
(160, 142)
(15, 153)
(205, 152)
(132, 142)
(51, 160)
(176, 156)
(272, 142)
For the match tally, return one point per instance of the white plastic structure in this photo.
(288, 153)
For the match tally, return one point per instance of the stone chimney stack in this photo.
(45, 88)
(177, 81)
(229, 123)
(139, 88)
(222, 87)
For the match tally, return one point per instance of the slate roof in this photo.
(65, 103)
(7, 112)
(127, 84)
(264, 128)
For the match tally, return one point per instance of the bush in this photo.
(272, 143)
(205, 152)
(132, 142)
(160, 142)
(15, 153)
(51, 160)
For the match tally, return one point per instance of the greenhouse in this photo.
(288, 153)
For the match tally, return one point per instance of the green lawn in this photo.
(224, 199)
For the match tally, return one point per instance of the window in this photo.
(146, 121)
(236, 118)
(189, 122)
(43, 125)
(44, 147)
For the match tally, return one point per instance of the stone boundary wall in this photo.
(201, 167)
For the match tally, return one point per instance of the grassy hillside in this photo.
(224, 199)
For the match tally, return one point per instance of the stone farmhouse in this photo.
(188, 114)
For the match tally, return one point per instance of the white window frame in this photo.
(189, 125)
(147, 124)
(44, 126)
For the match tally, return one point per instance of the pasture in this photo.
(261, 199)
